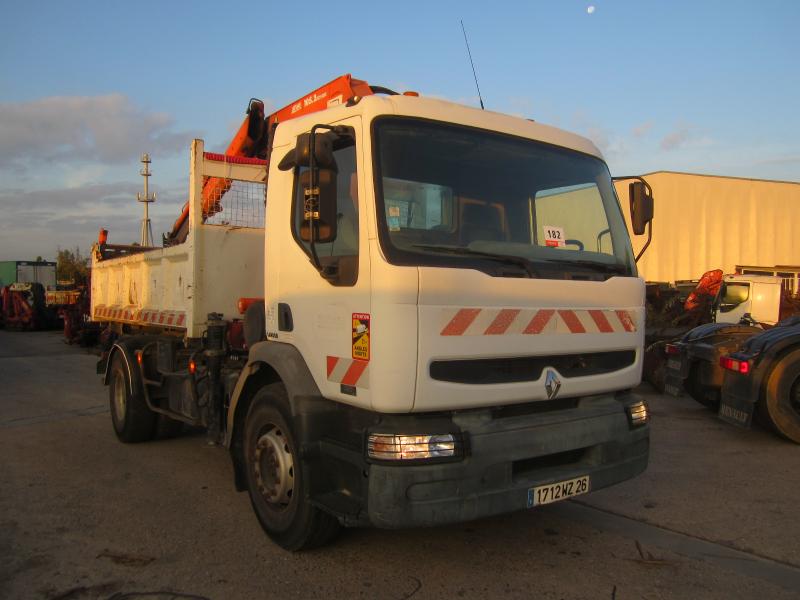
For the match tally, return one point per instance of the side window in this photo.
(346, 241)
(417, 205)
(733, 295)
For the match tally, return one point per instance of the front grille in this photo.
(530, 466)
(532, 408)
(529, 368)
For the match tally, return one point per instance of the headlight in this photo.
(387, 446)
(638, 413)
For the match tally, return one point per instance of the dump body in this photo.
(178, 286)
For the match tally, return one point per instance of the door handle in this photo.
(285, 321)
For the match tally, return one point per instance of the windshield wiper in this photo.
(590, 264)
(464, 251)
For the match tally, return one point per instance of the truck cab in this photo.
(481, 242)
(756, 295)
(476, 302)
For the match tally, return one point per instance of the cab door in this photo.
(326, 318)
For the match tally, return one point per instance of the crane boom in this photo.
(252, 140)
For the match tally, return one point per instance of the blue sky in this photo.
(86, 87)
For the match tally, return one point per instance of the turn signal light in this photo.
(638, 413)
(192, 367)
(387, 446)
(244, 303)
(732, 364)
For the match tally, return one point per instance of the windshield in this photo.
(457, 196)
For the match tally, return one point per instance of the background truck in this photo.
(742, 371)
(754, 321)
(22, 306)
(749, 299)
(28, 271)
(393, 311)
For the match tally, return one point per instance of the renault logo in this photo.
(551, 384)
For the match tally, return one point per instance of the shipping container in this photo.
(705, 222)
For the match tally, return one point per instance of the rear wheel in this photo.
(133, 421)
(780, 404)
(276, 479)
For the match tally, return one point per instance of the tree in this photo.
(72, 266)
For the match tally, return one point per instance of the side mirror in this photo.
(300, 155)
(641, 206)
(319, 206)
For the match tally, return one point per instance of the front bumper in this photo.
(508, 455)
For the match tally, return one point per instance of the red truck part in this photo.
(22, 306)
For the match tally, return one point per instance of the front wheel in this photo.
(276, 479)
(780, 405)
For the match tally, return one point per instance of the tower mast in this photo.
(146, 237)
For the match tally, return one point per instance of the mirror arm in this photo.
(314, 186)
(647, 243)
(637, 177)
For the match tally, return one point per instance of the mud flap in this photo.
(675, 373)
(736, 411)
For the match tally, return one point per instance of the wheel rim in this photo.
(120, 399)
(274, 467)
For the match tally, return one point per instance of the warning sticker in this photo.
(361, 336)
(393, 219)
(554, 236)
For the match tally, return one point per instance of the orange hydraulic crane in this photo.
(252, 141)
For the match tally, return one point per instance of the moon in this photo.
(590, 9)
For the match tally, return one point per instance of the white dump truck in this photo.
(392, 310)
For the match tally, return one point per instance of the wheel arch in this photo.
(268, 362)
(126, 346)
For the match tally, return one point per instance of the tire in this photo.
(779, 406)
(133, 421)
(277, 482)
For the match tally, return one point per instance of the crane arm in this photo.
(252, 140)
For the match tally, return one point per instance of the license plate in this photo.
(561, 490)
(674, 364)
